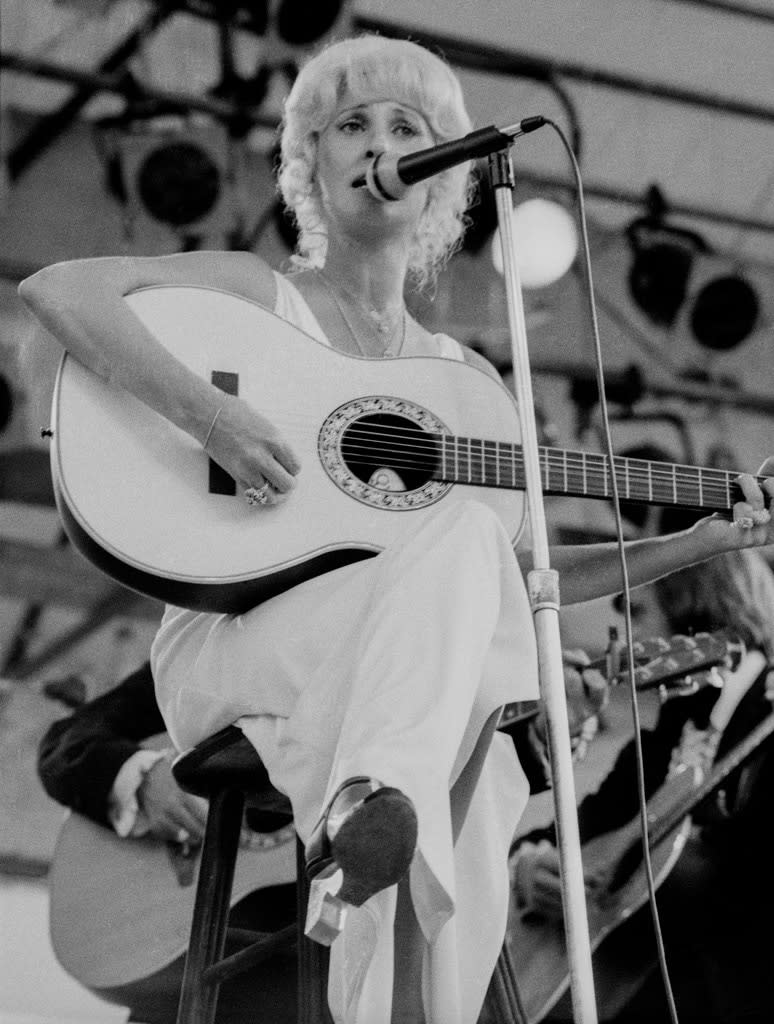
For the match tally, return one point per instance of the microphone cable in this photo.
(600, 375)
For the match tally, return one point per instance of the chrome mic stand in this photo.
(543, 590)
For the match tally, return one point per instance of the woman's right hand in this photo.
(249, 447)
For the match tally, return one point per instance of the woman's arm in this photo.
(588, 571)
(81, 303)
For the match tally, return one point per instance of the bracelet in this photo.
(209, 432)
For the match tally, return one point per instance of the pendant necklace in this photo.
(379, 324)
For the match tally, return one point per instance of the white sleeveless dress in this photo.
(389, 667)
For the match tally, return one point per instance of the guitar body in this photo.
(120, 910)
(139, 497)
(539, 948)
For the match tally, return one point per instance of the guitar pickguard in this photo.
(374, 412)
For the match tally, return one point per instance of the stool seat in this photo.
(225, 760)
(228, 760)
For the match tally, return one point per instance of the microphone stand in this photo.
(543, 590)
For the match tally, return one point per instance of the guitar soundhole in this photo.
(391, 453)
(384, 452)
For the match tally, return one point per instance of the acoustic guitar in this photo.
(381, 442)
(538, 947)
(120, 909)
(679, 666)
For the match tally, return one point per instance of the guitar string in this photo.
(432, 447)
(592, 461)
(575, 483)
(714, 483)
(411, 439)
(572, 488)
(714, 486)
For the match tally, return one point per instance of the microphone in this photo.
(390, 177)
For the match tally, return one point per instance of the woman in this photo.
(389, 672)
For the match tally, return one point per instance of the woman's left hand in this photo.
(752, 524)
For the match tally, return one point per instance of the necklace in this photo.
(388, 328)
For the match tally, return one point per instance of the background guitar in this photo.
(538, 946)
(120, 909)
(678, 665)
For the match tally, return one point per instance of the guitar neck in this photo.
(734, 759)
(484, 463)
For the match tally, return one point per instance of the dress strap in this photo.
(449, 348)
(291, 305)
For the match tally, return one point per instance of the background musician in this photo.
(720, 894)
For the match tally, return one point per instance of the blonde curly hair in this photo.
(733, 590)
(369, 67)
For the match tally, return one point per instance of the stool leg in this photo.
(198, 999)
(312, 957)
(503, 1001)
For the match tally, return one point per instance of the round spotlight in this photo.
(179, 183)
(300, 23)
(546, 240)
(658, 280)
(725, 313)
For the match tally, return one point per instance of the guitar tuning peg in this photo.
(715, 677)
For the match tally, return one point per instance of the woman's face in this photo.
(359, 131)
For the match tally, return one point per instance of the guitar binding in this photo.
(379, 413)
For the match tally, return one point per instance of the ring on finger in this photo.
(258, 495)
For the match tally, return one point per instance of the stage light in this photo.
(546, 242)
(662, 261)
(300, 23)
(177, 174)
(6, 402)
(724, 313)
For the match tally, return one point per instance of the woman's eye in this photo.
(405, 129)
(350, 126)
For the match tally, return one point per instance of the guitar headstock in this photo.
(683, 664)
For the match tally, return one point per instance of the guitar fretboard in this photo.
(584, 474)
(478, 462)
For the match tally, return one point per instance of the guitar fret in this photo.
(581, 473)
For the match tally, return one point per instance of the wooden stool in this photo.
(226, 770)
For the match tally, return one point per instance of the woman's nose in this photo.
(378, 142)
